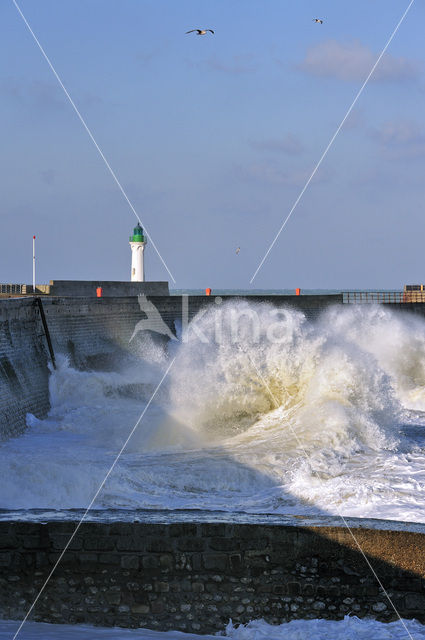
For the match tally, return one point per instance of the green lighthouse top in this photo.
(138, 235)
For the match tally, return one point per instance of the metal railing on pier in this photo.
(10, 289)
(382, 297)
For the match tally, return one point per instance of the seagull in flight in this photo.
(200, 32)
(238, 250)
(318, 20)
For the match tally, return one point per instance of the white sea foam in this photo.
(271, 414)
(351, 628)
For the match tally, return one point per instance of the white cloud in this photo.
(272, 174)
(400, 139)
(404, 132)
(236, 65)
(290, 144)
(42, 95)
(354, 61)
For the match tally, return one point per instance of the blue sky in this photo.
(213, 139)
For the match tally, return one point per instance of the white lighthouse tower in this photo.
(137, 244)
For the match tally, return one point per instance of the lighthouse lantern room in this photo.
(137, 244)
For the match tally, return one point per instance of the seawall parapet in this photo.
(195, 576)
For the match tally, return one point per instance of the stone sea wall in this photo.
(24, 372)
(196, 576)
(93, 333)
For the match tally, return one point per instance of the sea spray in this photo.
(397, 342)
(269, 412)
(312, 384)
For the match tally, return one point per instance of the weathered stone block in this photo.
(161, 587)
(87, 558)
(59, 542)
(183, 529)
(109, 558)
(99, 544)
(236, 562)
(196, 560)
(214, 561)
(257, 545)
(113, 597)
(159, 545)
(158, 607)
(140, 608)
(213, 529)
(279, 589)
(415, 601)
(130, 562)
(225, 544)
(38, 542)
(294, 588)
(191, 544)
(150, 562)
(130, 543)
(166, 561)
(5, 559)
(8, 541)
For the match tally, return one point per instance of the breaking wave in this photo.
(262, 411)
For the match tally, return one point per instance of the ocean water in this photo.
(261, 414)
(271, 415)
(347, 629)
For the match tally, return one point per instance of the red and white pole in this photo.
(33, 264)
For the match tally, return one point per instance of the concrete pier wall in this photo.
(95, 333)
(196, 576)
(110, 289)
(24, 369)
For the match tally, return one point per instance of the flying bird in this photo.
(200, 32)
(238, 250)
(319, 20)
